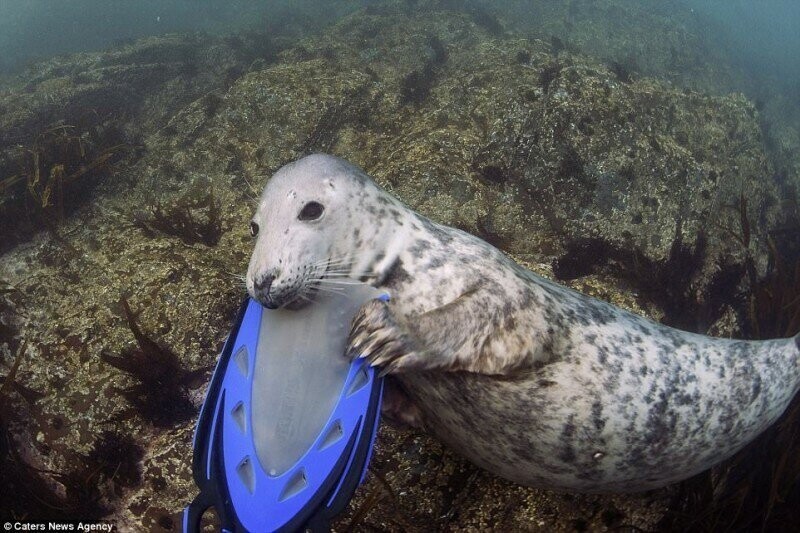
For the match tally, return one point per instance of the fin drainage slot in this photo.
(242, 360)
(238, 415)
(297, 483)
(359, 380)
(332, 436)
(246, 474)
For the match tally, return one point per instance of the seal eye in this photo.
(311, 211)
(253, 229)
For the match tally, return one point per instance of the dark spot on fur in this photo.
(597, 416)
(419, 248)
(567, 452)
(756, 390)
(435, 262)
(437, 232)
(396, 275)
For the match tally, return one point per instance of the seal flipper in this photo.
(396, 345)
(398, 409)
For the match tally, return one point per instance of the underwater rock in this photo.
(533, 155)
(102, 105)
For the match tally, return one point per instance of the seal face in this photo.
(526, 378)
(310, 230)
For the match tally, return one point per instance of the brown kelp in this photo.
(57, 158)
(193, 218)
(24, 488)
(85, 492)
(51, 174)
(161, 394)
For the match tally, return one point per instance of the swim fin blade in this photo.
(286, 431)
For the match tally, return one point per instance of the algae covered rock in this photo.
(67, 121)
(537, 153)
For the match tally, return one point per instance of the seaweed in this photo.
(97, 478)
(556, 45)
(24, 489)
(116, 456)
(774, 303)
(351, 110)
(572, 166)
(622, 71)
(666, 282)
(417, 84)
(211, 104)
(548, 75)
(493, 174)
(437, 51)
(759, 488)
(193, 218)
(57, 158)
(161, 394)
(52, 175)
(582, 258)
(486, 20)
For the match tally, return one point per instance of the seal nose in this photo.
(262, 286)
(264, 283)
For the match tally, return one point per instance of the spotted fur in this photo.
(526, 378)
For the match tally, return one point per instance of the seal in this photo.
(526, 378)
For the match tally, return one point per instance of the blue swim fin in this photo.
(287, 428)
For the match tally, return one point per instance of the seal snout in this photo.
(262, 286)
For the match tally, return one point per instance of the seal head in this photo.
(310, 231)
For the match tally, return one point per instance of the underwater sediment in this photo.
(119, 292)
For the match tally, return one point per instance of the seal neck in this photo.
(377, 260)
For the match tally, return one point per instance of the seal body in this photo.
(528, 379)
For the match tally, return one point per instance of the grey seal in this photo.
(528, 379)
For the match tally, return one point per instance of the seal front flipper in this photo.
(377, 336)
(396, 343)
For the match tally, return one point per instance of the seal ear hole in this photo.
(311, 211)
(253, 229)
